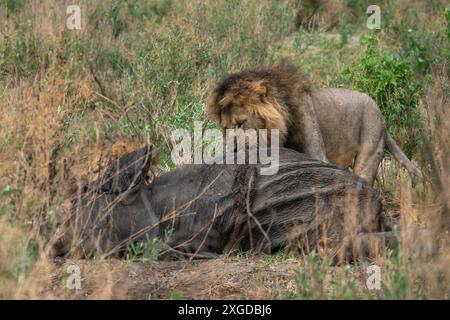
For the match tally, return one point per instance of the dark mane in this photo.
(283, 80)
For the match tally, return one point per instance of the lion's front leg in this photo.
(312, 140)
(314, 145)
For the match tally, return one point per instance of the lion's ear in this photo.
(259, 88)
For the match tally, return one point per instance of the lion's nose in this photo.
(239, 124)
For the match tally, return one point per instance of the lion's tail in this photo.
(398, 154)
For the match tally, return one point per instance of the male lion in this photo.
(330, 124)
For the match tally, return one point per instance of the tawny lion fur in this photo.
(333, 125)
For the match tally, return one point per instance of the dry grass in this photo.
(137, 72)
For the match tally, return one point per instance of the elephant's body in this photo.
(214, 209)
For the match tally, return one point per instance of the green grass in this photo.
(139, 69)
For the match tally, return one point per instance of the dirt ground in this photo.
(213, 279)
(250, 277)
(226, 278)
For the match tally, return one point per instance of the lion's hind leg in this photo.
(368, 159)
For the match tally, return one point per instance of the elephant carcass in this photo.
(201, 211)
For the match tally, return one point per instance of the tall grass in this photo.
(138, 69)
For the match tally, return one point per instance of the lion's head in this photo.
(258, 99)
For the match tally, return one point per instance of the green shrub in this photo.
(390, 81)
(318, 279)
(21, 53)
(6, 200)
(149, 250)
(11, 6)
(425, 47)
(447, 19)
(344, 31)
(147, 8)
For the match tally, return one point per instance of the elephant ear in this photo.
(127, 172)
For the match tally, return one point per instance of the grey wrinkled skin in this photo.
(217, 209)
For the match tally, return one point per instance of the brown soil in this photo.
(225, 278)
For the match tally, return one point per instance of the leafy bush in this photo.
(447, 18)
(149, 250)
(390, 81)
(344, 31)
(426, 47)
(6, 200)
(12, 6)
(144, 67)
